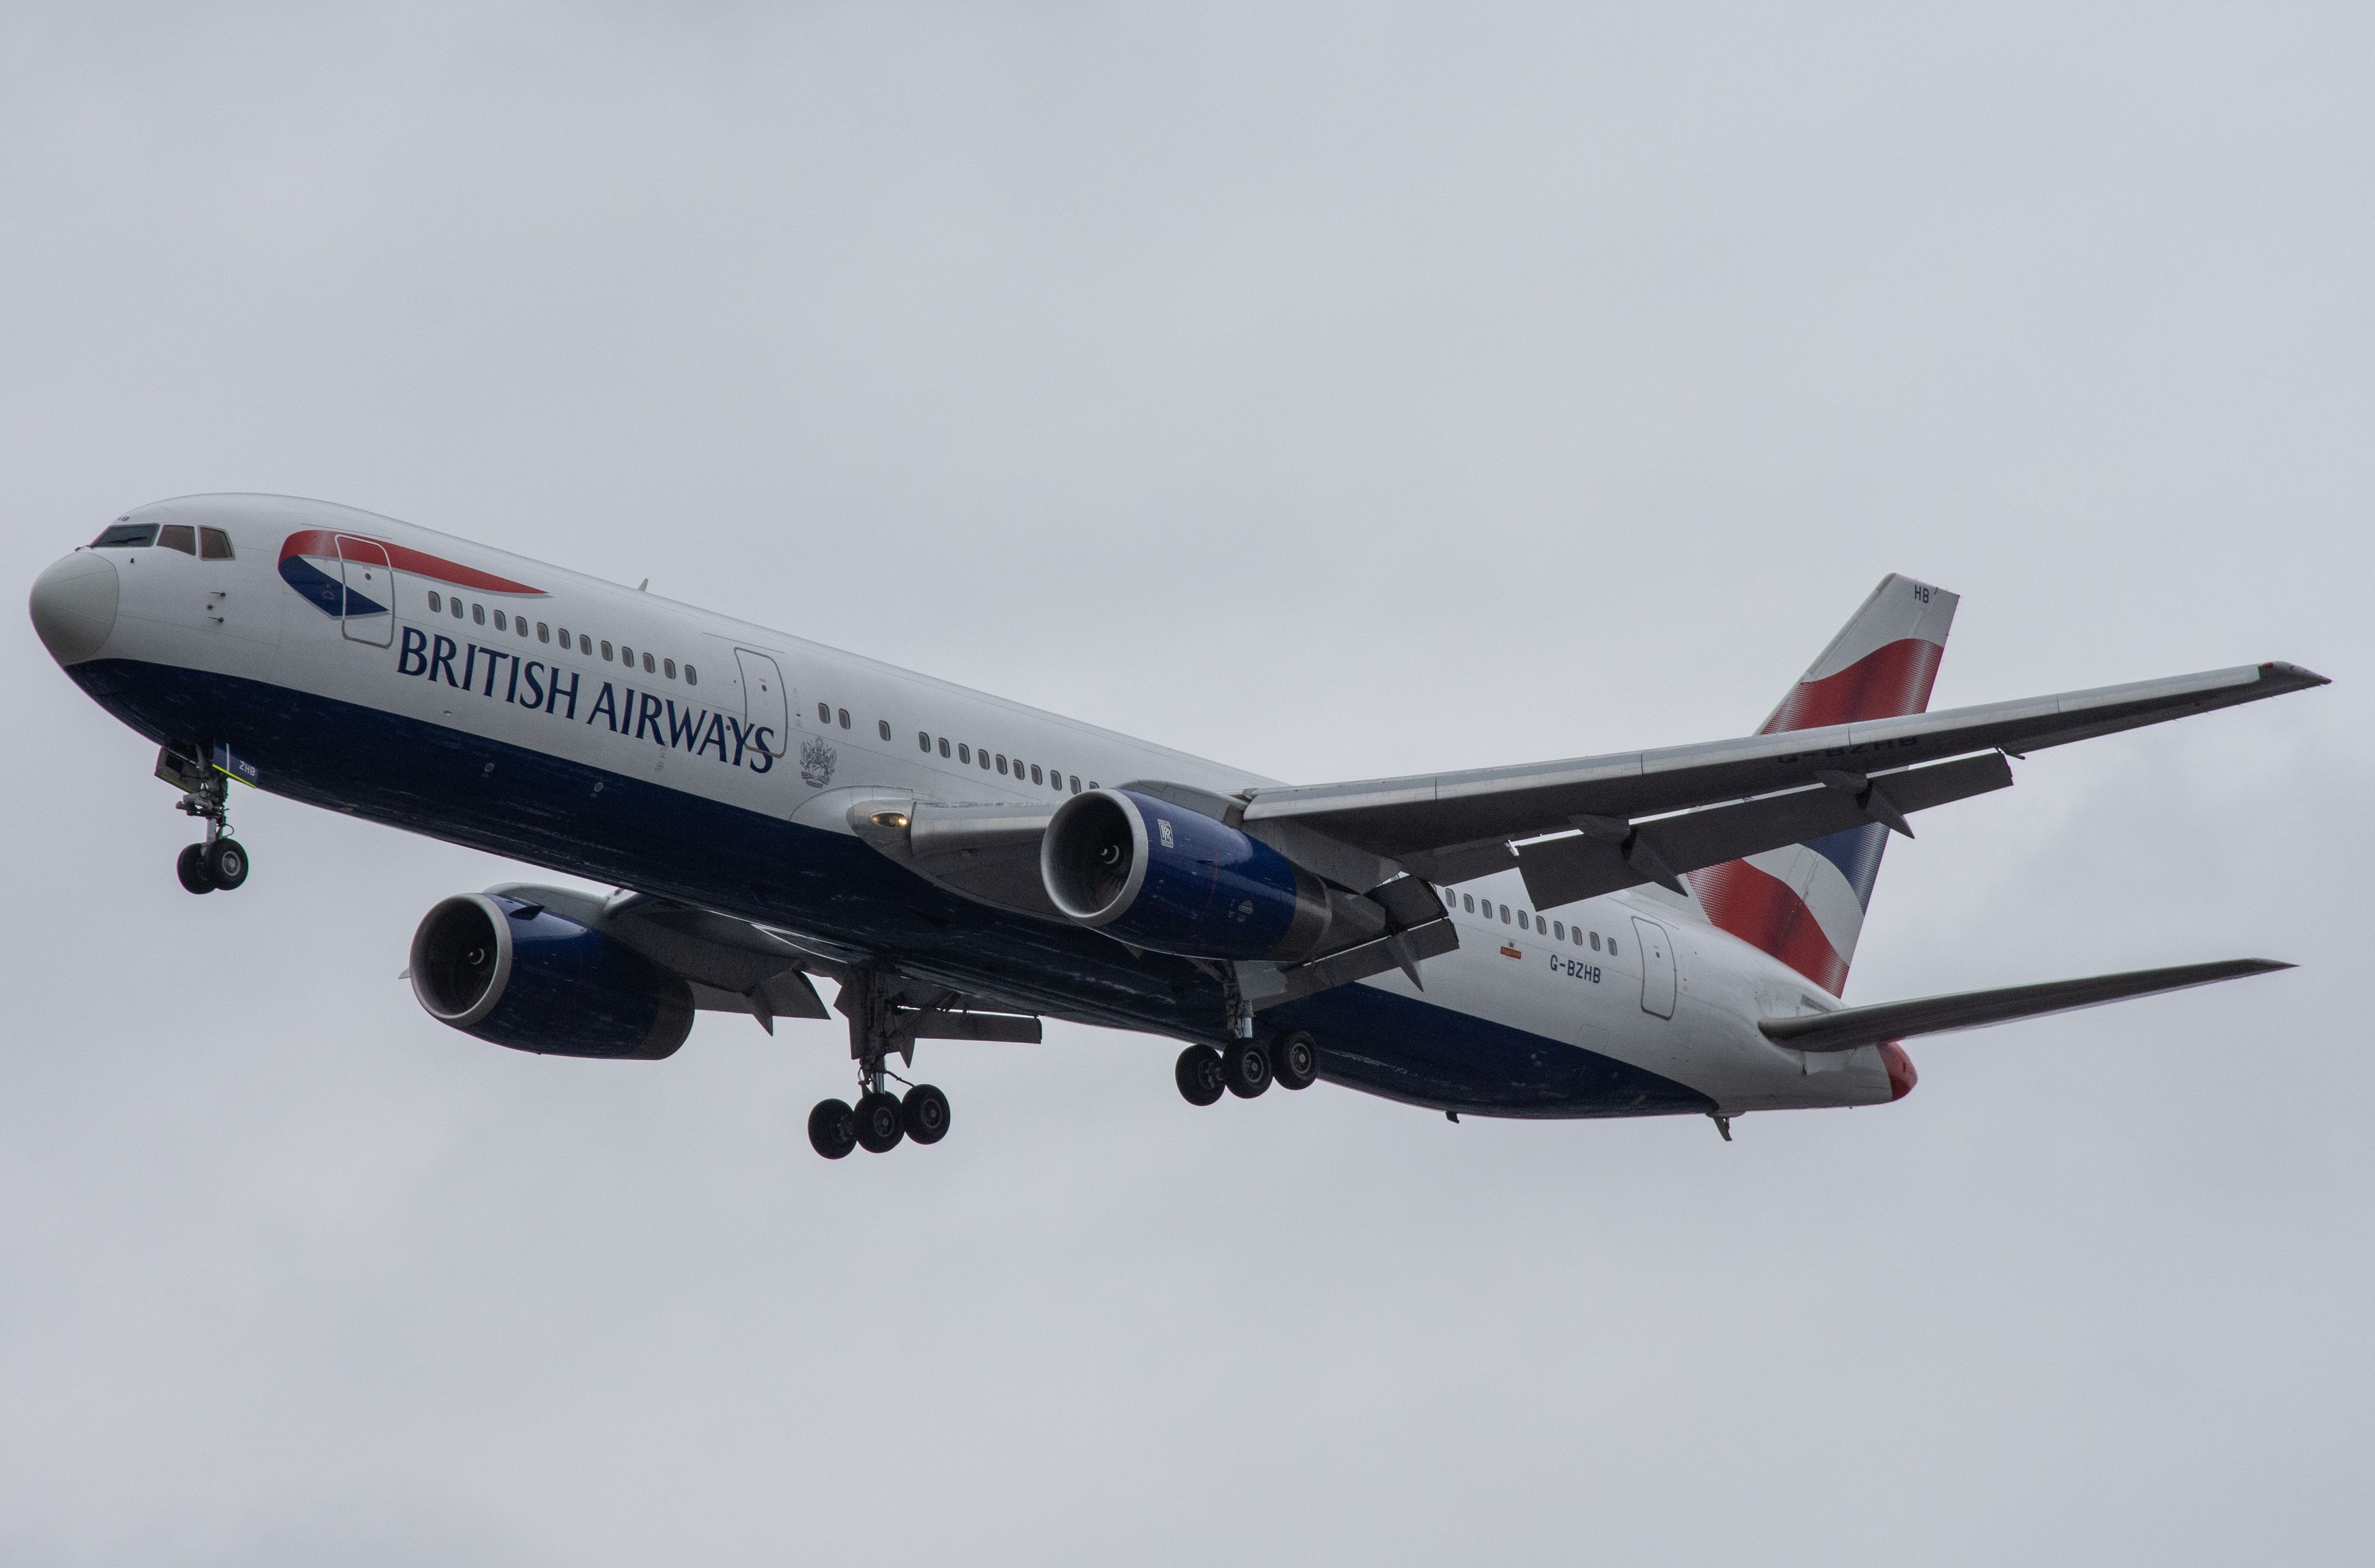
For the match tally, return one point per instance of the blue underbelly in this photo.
(547, 811)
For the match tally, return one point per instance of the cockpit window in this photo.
(178, 537)
(125, 536)
(213, 545)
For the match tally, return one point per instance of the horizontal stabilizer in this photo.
(1851, 1027)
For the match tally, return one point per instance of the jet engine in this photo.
(516, 973)
(1156, 874)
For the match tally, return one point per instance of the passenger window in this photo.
(519, 624)
(668, 668)
(1521, 921)
(606, 652)
(1612, 947)
(1034, 773)
(984, 757)
(882, 728)
(1470, 899)
(824, 712)
(844, 718)
(647, 666)
(626, 656)
(584, 645)
(1076, 783)
(544, 632)
(944, 745)
(213, 545)
(1558, 930)
(435, 604)
(923, 743)
(125, 536)
(498, 622)
(178, 537)
(478, 614)
(1001, 761)
(965, 752)
(1504, 914)
(1595, 941)
(457, 605)
(565, 637)
(692, 676)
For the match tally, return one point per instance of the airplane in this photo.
(1646, 933)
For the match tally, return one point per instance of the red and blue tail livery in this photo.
(1646, 933)
(1805, 904)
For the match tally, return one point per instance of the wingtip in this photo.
(2295, 675)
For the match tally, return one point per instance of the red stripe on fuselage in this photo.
(1887, 683)
(1763, 910)
(325, 542)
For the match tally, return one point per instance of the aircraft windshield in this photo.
(125, 536)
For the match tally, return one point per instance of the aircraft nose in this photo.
(74, 605)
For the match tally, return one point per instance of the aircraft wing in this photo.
(1449, 827)
(1850, 1027)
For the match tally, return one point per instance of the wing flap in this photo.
(1851, 1027)
(1614, 856)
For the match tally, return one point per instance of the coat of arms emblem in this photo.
(816, 762)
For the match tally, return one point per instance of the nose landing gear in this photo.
(221, 861)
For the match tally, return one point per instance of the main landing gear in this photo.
(221, 861)
(1245, 1067)
(880, 1120)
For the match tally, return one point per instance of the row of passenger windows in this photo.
(438, 605)
(1557, 930)
(965, 752)
(206, 543)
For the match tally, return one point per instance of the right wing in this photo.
(1847, 1028)
(1451, 827)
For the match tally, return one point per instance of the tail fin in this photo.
(1805, 904)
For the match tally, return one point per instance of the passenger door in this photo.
(766, 703)
(367, 611)
(1656, 967)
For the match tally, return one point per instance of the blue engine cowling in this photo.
(517, 975)
(1158, 876)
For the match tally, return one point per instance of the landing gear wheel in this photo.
(833, 1128)
(191, 869)
(878, 1125)
(1202, 1080)
(1246, 1066)
(924, 1110)
(226, 862)
(1295, 1058)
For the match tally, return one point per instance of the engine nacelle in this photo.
(1159, 875)
(522, 976)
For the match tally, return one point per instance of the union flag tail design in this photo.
(1805, 904)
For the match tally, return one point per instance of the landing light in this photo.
(889, 818)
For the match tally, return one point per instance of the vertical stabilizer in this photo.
(1805, 904)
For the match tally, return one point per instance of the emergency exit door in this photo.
(1656, 967)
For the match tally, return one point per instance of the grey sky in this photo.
(1336, 392)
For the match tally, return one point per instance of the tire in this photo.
(833, 1128)
(1245, 1066)
(1294, 1059)
(191, 869)
(226, 862)
(1199, 1076)
(878, 1126)
(924, 1110)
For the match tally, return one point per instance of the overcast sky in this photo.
(1335, 392)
